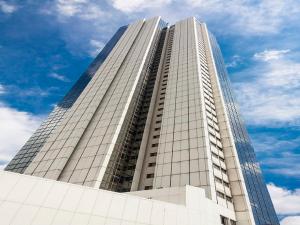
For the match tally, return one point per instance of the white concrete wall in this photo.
(37, 201)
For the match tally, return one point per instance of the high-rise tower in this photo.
(155, 111)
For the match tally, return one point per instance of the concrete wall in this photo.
(29, 200)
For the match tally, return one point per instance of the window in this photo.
(148, 187)
(156, 136)
(151, 175)
(233, 222)
(228, 198)
(226, 184)
(214, 155)
(220, 194)
(153, 154)
(216, 166)
(218, 180)
(224, 220)
(155, 145)
(152, 164)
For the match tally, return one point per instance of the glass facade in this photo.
(23, 158)
(262, 207)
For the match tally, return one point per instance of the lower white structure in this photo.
(29, 200)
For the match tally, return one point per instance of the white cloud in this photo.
(271, 146)
(92, 11)
(287, 166)
(7, 7)
(290, 220)
(235, 61)
(254, 17)
(266, 143)
(96, 47)
(270, 93)
(286, 202)
(268, 55)
(87, 19)
(2, 89)
(83, 9)
(59, 77)
(33, 91)
(15, 128)
(129, 6)
(232, 16)
(26, 92)
(69, 7)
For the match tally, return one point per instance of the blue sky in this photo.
(45, 46)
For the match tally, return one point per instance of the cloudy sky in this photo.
(45, 46)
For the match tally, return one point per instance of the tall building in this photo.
(153, 113)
